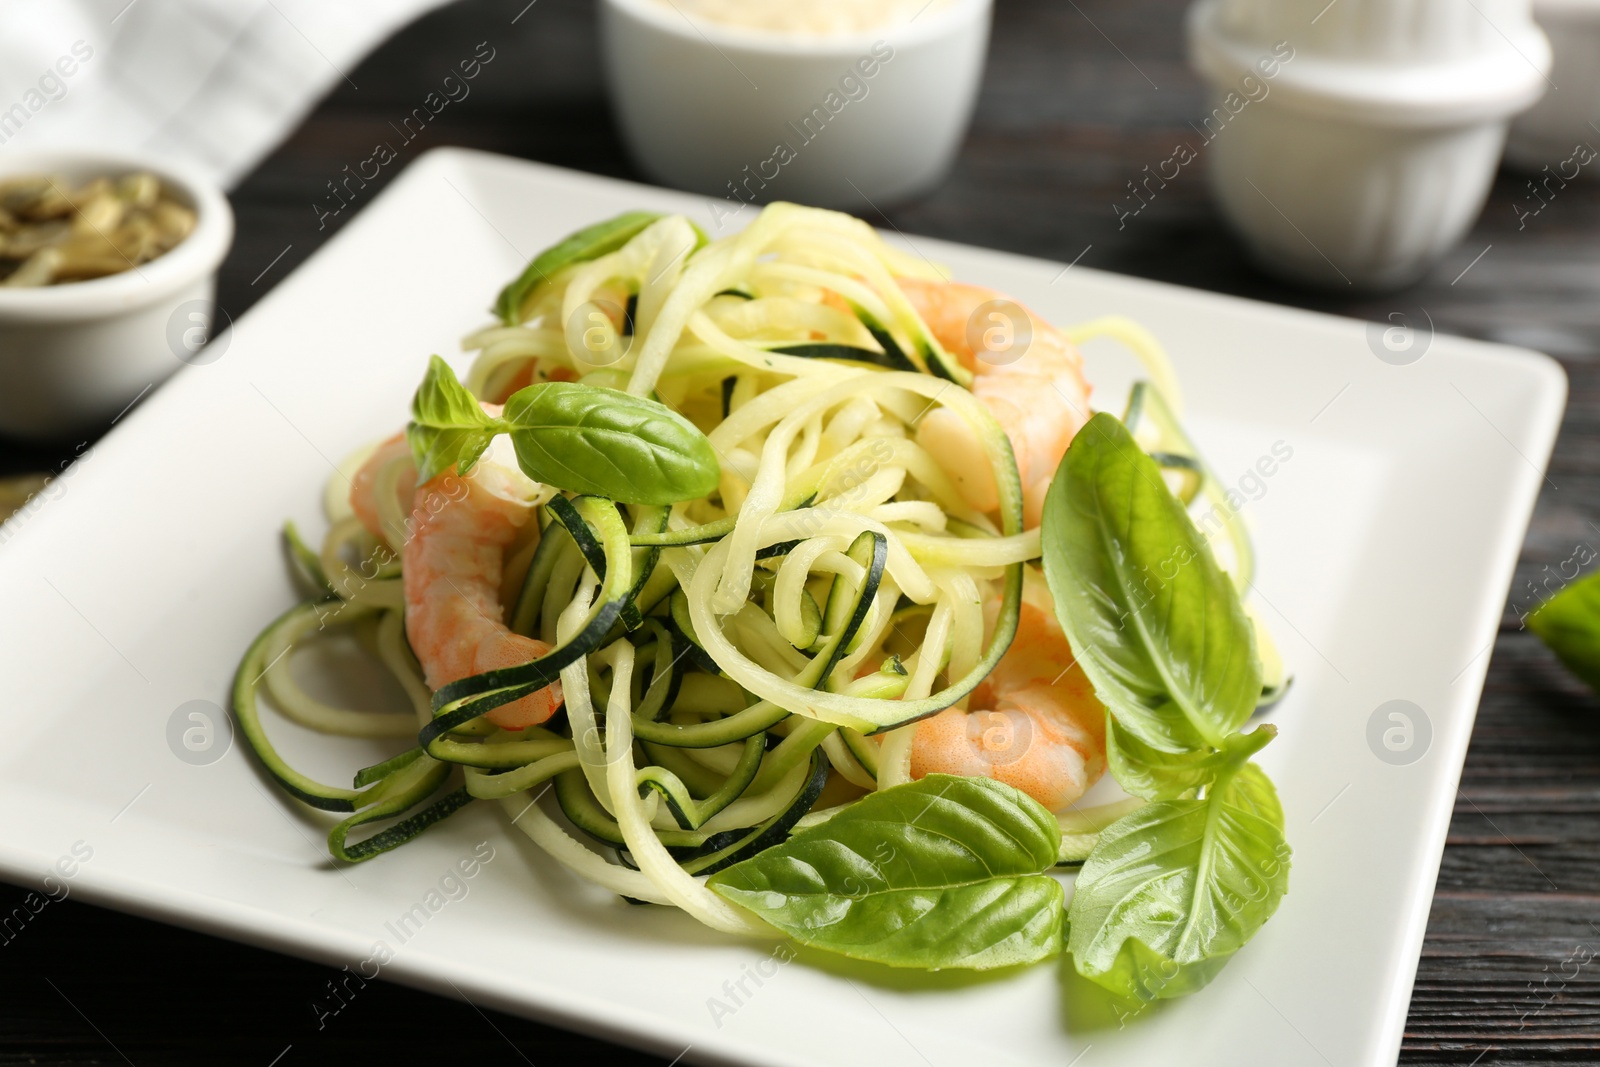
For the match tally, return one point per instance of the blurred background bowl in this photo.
(1368, 154)
(74, 355)
(828, 120)
(1546, 134)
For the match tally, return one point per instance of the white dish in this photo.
(845, 120)
(72, 356)
(1386, 544)
(1356, 149)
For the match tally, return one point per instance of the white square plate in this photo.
(1386, 543)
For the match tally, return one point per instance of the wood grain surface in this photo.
(1079, 97)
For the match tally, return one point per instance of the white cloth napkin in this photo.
(215, 82)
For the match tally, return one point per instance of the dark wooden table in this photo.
(1079, 97)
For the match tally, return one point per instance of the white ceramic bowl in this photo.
(1548, 134)
(1361, 168)
(73, 355)
(829, 120)
(1384, 32)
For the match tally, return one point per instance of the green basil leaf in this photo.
(436, 450)
(605, 442)
(441, 400)
(1156, 775)
(1569, 623)
(941, 872)
(448, 427)
(1155, 622)
(1173, 890)
(591, 242)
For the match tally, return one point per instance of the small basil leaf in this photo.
(1173, 890)
(605, 442)
(441, 399)
(436, 450)
(1156, 775)
(591, 242)
(448, 427)
(942, 872)
(1569, 623)
(1156, 623)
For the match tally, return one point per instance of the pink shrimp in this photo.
(363, 487)
(1025, 372)
(1036, 723)
(452, 559)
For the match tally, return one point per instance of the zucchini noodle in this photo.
(722, 660)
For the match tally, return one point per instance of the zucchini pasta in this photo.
(715, 539)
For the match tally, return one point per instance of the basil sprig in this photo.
(448, 427)
(582, 438)
(941, 872)
(1172, 891)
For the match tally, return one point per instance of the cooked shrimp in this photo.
(1026, 373)
(364, 486)
(451, 559)
(1036, 723)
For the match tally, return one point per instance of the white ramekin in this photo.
(1548, 134)
(73, 355)
(720, 110)
(1362, 168)
(1404, 32)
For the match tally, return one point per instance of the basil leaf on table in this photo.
(448, 427)
(941, 872)
(589, 439)
(1155, 622)
(1173, 890)
(591, 242)
(1569, 623)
